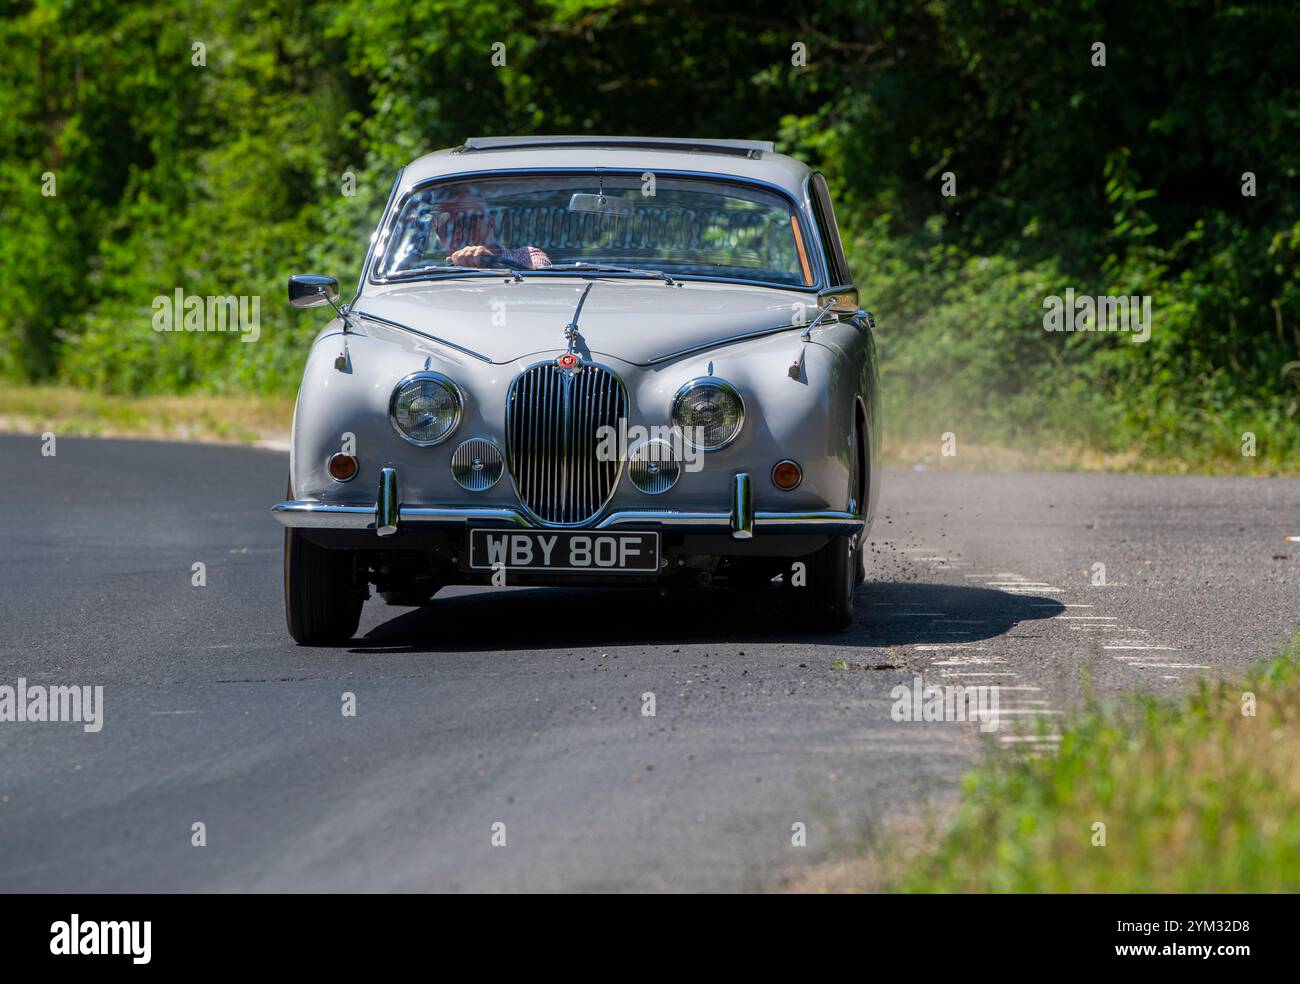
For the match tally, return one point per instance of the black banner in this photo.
(935, 934)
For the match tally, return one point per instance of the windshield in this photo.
(683, 227)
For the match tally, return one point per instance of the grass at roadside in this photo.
(76, 413)
(1195, 796)
(1073, 457)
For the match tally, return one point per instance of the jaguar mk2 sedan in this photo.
(587, 361)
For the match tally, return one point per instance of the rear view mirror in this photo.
(600, 204)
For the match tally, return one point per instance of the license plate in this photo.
(563, 550)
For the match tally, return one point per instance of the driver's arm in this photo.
(525, 258)
(528, 257)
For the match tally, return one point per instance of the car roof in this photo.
(755, 160)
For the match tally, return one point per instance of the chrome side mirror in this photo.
(308, 290)
(839, 300)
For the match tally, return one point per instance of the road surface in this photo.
(523, 707)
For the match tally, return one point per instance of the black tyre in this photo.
(827, 600)
(859, 495)
(322, 600)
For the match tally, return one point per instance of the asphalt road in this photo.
(523, 706)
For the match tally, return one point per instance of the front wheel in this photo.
(322, 603)
(832, 578)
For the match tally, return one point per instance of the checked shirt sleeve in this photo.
(529, 257)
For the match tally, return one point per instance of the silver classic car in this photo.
(587, 361)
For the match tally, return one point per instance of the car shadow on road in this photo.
(889, 613)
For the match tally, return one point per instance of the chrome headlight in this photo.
(709, 412)
(425, 408)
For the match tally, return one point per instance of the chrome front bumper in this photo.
(387, 515)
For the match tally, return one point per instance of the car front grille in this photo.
(555, 420)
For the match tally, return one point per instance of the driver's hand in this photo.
(470, 256)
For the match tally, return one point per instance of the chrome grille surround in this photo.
(554, 418)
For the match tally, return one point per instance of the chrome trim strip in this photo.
(827, 522)
(545, 273)
(424, 334)
(323, 516)
(387, 510)
(374, 238)
(811, 211)
(326, 516)
(615, 143)
(843, 522)
(451, 515)
(718, 342)
(742, 508)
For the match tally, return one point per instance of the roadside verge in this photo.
(258, 420)
(1200, 795)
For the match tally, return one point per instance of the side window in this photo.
(829, 232)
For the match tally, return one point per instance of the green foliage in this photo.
(1196, 796)
(226, 177)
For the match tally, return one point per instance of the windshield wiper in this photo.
(432, 267)
(581, 266)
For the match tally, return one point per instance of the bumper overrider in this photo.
(388, 514)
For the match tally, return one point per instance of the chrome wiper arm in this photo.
(581, 266)
(433, 267)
